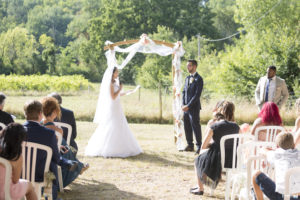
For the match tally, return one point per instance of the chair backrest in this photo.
(271, 132)
(68, 127)
(292, 177)
(251, 148)
(8, 173)
(29, 159)
(2, 127)
(237, 140)
(59, 139)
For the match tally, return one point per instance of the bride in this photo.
(112, 138)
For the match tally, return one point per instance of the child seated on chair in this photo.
(283, 158)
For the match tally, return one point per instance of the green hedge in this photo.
(43, 83)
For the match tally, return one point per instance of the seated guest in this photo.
(67, 116)
(51, 111)
(5, 118)
(208, 163)
(283, 158)
(39, 134)
(268, 116)
(11, 149)
(216, 110)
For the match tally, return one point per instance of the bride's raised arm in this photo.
(113, 93)
(128, 92)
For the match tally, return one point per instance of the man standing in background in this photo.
(271, 88)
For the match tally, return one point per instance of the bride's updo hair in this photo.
(114, 70)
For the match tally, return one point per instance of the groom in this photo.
(191, 106)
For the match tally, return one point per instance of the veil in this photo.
(105, 100)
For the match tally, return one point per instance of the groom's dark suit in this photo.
(191, 97)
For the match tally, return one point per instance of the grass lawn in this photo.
(161, 172)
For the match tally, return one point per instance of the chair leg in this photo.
(60, 181)
(227, 189)
(38, 191)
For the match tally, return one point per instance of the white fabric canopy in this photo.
(146, 45)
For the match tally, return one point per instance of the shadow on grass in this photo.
(95, 190)
(159, 160)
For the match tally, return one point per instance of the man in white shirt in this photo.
(283, 159)
(271, 88)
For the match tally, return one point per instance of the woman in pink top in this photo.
(268, 116)
(11, 149)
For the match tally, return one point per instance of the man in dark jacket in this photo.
(192, 106)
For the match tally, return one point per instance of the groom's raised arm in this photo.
(199, 87)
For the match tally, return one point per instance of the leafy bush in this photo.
(43, 83)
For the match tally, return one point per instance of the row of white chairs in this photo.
(29, 150)
(245, 159)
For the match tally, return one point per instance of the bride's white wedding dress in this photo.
(113, 137)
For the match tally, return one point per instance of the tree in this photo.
(223, 20)
(52, 21)
(48, 52)
(18, 50)
(186, 18)
(272, 40)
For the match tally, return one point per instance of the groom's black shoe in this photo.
(189, 148)
(197, 151)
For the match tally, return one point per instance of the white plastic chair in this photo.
(59, 139)
(2, 127)
(237, 139)
(293, 172)
(59, 171)
(68, 127)
(29, 159)
(252, 150)
(8, 173)
(271, 132)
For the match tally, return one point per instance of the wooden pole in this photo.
(139, 94)
(160, 102)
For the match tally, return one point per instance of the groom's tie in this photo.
(267, 90)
